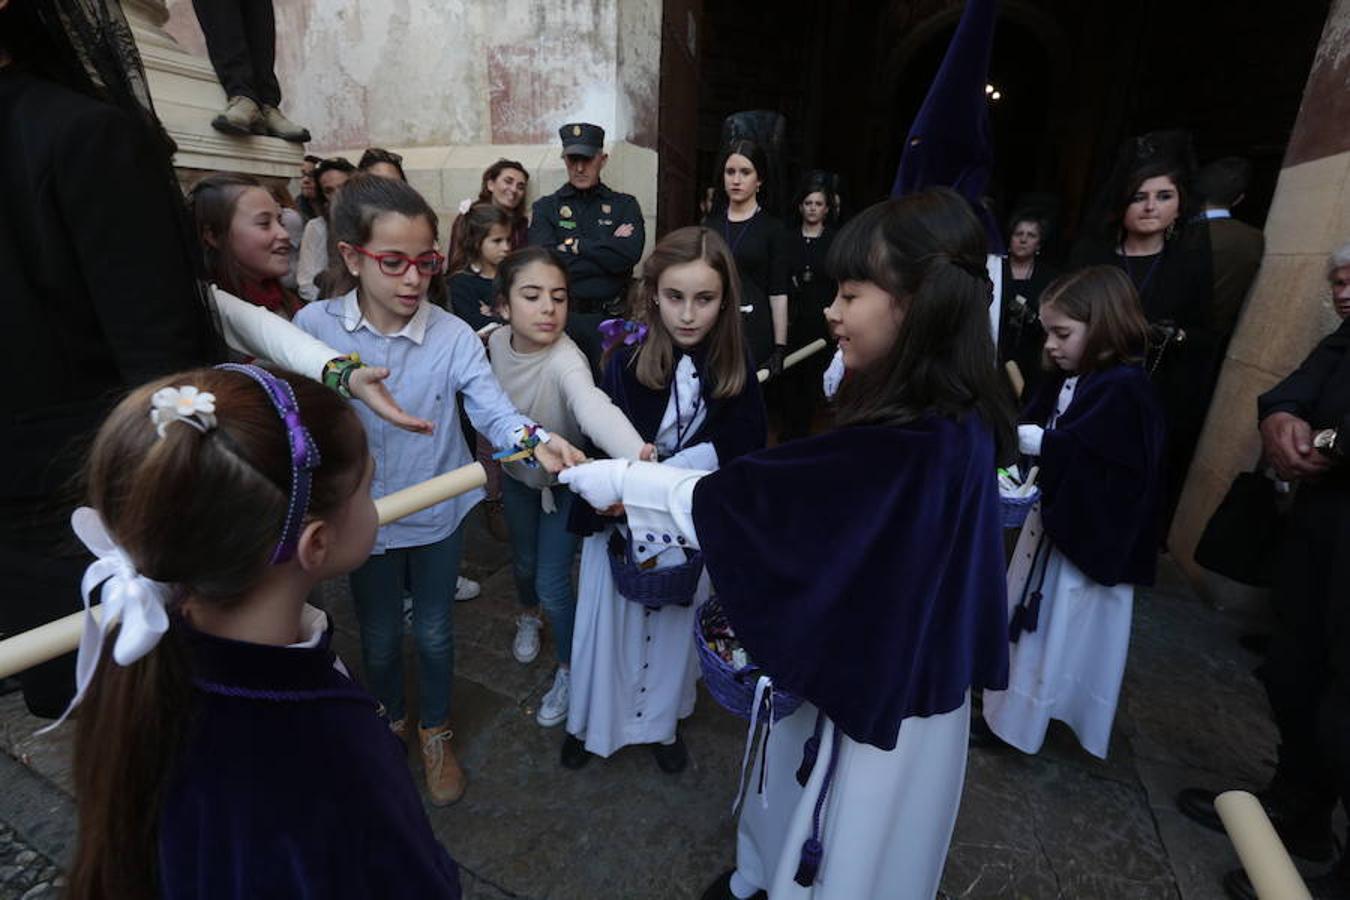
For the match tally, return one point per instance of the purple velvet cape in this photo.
(863, 568)
(1101, 473)
(734, 425)
(290, 785)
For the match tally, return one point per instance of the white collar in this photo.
(313, 624)
(414, 330)
(1218, 214)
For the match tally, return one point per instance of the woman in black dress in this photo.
(812, 291)
(1025, 275)
(1169, 263)
(759, 242)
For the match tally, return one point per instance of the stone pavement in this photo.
(1057, 825)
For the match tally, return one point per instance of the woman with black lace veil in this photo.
(99, 271)
(1142, 224)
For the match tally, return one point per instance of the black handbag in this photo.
(1242, 538)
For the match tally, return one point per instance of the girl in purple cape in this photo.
(862, 569)
(221, 749)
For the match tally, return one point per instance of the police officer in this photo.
(597, 231)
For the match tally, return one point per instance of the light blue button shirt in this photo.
(431, 359)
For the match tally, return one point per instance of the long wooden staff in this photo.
(46, 642)
(794, 357)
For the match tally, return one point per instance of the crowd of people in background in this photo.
(535, 336)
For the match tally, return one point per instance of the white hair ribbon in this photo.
(127, 595)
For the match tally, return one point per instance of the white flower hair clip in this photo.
(183, 404)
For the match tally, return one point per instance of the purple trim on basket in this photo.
(729, 686)
(229, 690)
(1014, 510)
(304, 455)
(653, 588)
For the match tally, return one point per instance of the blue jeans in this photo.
(430, 572)
(542, 551)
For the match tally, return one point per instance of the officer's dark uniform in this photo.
(581, 225)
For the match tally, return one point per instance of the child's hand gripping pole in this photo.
(794, 357)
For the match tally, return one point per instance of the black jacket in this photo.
(603, 264)
(97, 280)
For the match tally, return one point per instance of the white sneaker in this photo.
(466, 589)
(553, 706)
(526, 645)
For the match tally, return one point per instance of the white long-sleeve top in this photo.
(253, 330)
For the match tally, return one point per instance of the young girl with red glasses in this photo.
(386, 234)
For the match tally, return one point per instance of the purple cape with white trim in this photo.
(1101, 473)
(863, 569)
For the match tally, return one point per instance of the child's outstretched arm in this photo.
(489, 409)
(600, 419)
(253, 330)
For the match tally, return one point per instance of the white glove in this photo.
(1029, 439)
(599, 483)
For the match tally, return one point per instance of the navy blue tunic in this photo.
(290, 785)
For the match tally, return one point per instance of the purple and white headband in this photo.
(304, 454)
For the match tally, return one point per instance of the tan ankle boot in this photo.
(241, 116)
(445, 779)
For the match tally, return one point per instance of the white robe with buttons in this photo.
(634, 671)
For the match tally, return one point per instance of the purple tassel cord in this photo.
(813, 851)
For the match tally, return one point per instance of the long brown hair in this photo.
(655, 359)
(474, 227)
(203, 512)
(927, 250)
(492, 173)
(1104, 298)
(212, 202)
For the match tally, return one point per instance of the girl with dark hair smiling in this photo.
(861, 569)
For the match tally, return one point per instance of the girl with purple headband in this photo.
(220, 742)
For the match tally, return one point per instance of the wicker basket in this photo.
(653, 588)
(733, 689)
(1016, 509)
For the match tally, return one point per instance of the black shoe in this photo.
(1334, 885)
(1305, 835)
(574, 753)
(721, 889)
(671, 758)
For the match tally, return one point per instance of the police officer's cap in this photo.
(582, 139)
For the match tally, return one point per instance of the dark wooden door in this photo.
(677, 130)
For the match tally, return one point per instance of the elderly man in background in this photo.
(1305, 434)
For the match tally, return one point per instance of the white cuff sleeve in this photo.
(257, 332)
(701, 457)
(659, 501)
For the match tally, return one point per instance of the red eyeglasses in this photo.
(394, 264)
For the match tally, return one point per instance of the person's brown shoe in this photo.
(241, 116)
(445, 778)
(271, 122)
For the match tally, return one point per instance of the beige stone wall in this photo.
(1289, 308)
(454, 86)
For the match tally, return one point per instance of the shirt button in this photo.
(639, 715)
(666, 538)
(651, 537)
